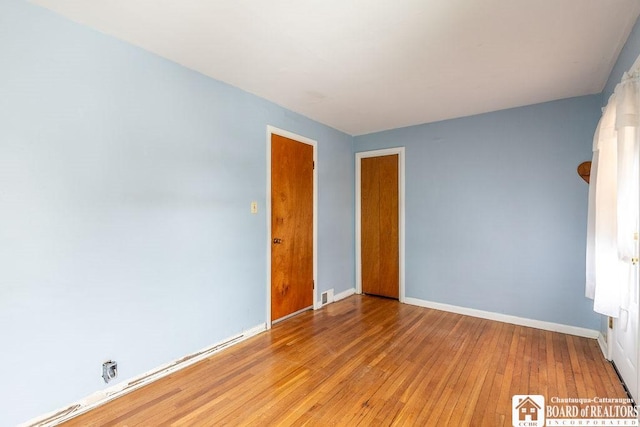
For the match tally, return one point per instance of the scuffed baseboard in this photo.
(101, 397)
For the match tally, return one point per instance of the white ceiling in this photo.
(363, 66)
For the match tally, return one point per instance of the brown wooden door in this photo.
(291, 226)
(379, 226)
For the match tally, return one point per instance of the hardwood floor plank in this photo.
(493, 381)
(467, 405)
(508, 377)
(369, 361)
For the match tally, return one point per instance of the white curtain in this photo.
(614, 193)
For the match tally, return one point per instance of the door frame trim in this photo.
(271, 130)
(401, 210)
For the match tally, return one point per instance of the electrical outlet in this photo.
(109, 370)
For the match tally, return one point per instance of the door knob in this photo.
(277, 241)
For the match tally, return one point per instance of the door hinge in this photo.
(610, 322)
(314, 164)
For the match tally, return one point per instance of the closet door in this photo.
(380, 230)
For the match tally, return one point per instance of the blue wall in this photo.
(125, 229)
(495, 211)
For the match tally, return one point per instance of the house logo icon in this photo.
(527, 410)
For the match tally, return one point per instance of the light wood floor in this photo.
(370, 361)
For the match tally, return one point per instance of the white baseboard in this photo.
(344, 294)
(602, 342)
(506, 318)
(103, 396)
